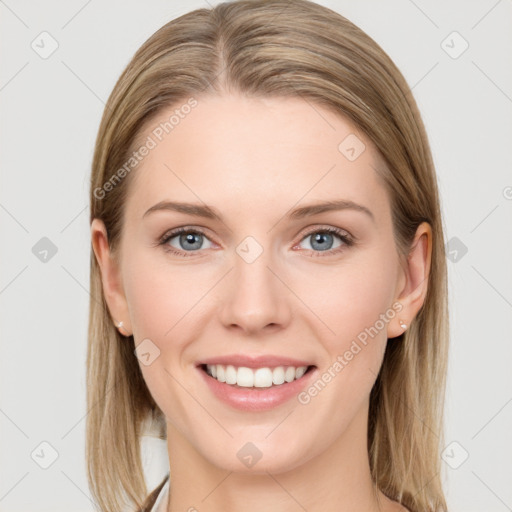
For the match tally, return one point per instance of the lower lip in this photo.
(256, 399)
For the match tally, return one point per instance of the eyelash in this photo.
(347, 240)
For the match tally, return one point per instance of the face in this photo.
(259, 281)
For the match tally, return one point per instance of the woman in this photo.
(268, 278)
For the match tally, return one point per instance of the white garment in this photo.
(162, 499)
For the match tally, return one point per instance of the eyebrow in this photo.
(208, 212)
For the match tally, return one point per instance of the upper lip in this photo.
(261, 361)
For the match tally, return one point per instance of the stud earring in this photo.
(119, 326)
(402, 325)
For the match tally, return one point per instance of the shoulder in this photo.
(393, 506)
(399, 508)
(156, 499)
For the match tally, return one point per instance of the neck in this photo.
(338, 479)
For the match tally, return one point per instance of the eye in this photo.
(183, 240)
(323, 240)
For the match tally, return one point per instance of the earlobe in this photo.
(415, 278)
(110, 277)
(121, 329)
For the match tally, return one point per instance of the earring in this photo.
(119, 326)
(402, 325)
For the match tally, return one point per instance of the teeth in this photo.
(230, 375)
(258, 378)
(300, 371)
(221, 373)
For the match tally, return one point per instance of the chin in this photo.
(257, 457)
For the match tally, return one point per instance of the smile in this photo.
(264, 377)
(257, 383)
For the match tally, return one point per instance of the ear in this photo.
(110, 277)
(413, 283)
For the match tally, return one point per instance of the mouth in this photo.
(258, 378)
(255, 383)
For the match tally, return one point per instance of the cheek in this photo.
(161, 302)
(352, 298)
(354, 301)
(165, 302)
(160, 296)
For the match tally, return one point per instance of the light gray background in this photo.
(50, 112)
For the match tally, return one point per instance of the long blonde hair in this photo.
(276, 48)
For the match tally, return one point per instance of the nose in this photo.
(255, 299)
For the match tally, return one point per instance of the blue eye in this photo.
(187, 241)
(322, 240)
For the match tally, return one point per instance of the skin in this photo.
(253, 160)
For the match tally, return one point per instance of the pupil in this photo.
(191, 239)
(321, 238)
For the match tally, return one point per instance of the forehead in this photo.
(240, 152)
